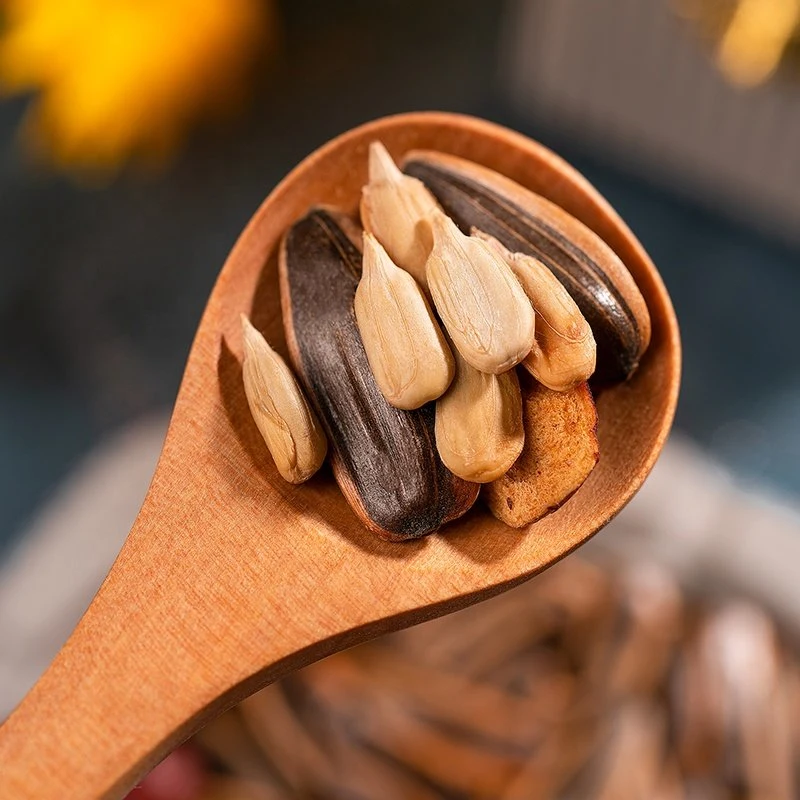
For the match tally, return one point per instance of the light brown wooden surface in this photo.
(231, 577)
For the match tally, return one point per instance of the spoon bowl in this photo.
(232, 578)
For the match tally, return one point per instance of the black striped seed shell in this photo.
(384, 459)
(525, 222)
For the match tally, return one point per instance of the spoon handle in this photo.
(176, 634)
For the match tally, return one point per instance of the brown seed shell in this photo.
(560, 451)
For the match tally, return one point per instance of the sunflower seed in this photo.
(482, 305)
(406, 349)
(392, 205)
(290, 428)
(384, 459)
(525, 222)
(564, 352)
(479, 430)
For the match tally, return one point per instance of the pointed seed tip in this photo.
(377, 245)
(252, 336)
(440, 223)
(370, 244)
(381, 164)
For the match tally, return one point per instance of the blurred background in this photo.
(137, 138)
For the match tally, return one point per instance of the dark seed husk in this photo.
(528, 223)
(384, 459)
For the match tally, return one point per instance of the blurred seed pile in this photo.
(584, 683)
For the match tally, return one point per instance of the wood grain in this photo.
(230, 578)
(384, 459)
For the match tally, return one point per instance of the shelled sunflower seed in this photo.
(287, 424)
(525, 222)
(406, 349)
(564, 353)
(464, 276)
(482, 304)
(479, 429)
(588, 682)
(392, 206)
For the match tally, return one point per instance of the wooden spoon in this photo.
(232, 578)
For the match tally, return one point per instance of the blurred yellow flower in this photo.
(752, 37)
(756, 38)
(120, 78)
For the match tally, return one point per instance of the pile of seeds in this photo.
(585, 683)
(445, 346)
